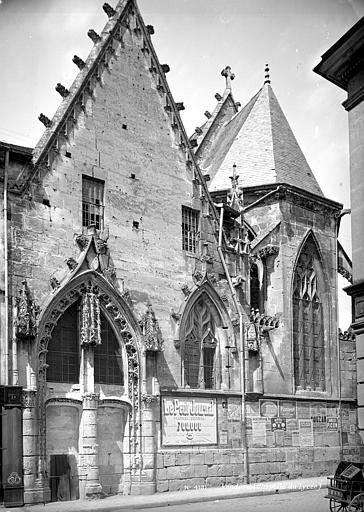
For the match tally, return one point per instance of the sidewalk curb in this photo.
(138, 502)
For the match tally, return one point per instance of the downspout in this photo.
(241, 347)
(339, 390)
(15, 375)
(6, 272)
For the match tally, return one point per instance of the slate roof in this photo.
(261, 143)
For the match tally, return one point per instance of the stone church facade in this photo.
(168, 304)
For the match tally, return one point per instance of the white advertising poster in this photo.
(188, 421)
(259, 431)
(305, 428)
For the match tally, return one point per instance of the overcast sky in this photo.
(197, 38)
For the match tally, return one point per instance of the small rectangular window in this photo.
(92, 202)
(190, 222)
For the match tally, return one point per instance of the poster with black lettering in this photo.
(189, 421)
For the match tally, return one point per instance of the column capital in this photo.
(29, 398)
(90, 400)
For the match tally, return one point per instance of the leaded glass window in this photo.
(107, 357)
(200, 350)
(63, 349)
(308, 333)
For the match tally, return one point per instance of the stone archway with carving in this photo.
(96, 295)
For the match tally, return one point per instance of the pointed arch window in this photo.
(63, 358)
(201, 351)
(308, 332)
(64, 350)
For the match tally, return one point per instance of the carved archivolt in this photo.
(95, 295)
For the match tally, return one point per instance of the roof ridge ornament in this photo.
(267, 76)
(229, 76)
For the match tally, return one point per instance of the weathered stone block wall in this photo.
(179, 470)
(289, 453)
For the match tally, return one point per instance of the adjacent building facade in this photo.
(343, 65)
(168, 304)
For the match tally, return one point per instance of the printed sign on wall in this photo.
(287, 409)
(268, 408)
(305, 429)
(188, 421)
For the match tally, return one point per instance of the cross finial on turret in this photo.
(226, 72)
(267, 77)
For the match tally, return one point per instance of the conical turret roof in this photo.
(261, 143)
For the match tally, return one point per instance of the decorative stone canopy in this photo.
(27, 314)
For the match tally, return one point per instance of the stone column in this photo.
(88, 465)
(35, 490)
(149, 445)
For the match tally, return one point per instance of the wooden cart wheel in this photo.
(357, 503)
(337, 506)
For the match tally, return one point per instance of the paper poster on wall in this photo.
(234, 409)
(292, 424)
(305, 429)
(332, 425)
(331, 410)
(303, 410)
(188, 421)
(259, 431)
(287, 409)
(278, 424)
(268, 408)
(295, 438)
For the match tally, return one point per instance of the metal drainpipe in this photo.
(6, 271)
(15, 375)
(241, 347)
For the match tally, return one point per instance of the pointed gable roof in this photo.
(261, 143)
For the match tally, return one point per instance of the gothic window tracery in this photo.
(201, 351)
(64, 349)
(308, 332)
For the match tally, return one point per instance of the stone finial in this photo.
(153, 340)
(109, 10)
(45, 120)
(267, 76)
(236, 194)
(62, 90)
(207, 114)
(78, 61)
(180, 106)
(218, 96)
(229, 76)
(165, 68)
(150, 29)
(94, 36)
(193, 143)
(198, 130)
